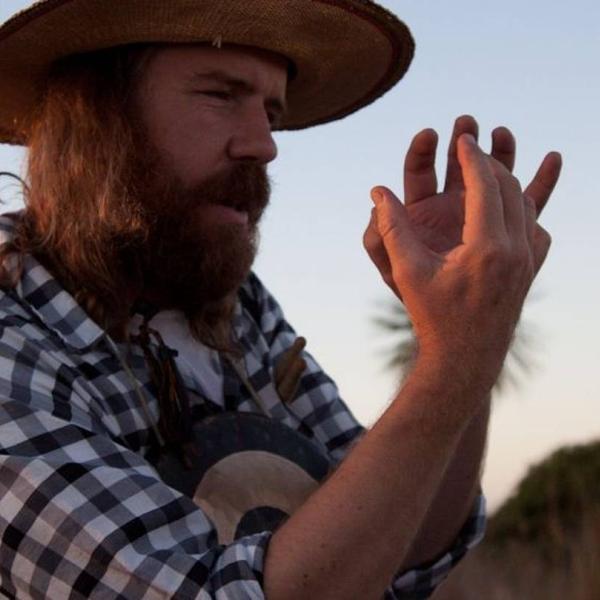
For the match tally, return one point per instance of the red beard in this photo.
(188, 261)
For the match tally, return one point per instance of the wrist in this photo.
(454, 387)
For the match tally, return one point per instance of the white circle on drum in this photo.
(244, 481)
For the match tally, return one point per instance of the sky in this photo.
(531, 66)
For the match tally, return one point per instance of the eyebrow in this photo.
(272, 103)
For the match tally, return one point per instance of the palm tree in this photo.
(395, 321)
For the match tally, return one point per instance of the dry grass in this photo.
(519, 571)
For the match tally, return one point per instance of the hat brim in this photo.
(346, 53)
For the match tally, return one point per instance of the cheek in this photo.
(190, 138)
(193, 148)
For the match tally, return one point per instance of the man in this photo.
(163, 431)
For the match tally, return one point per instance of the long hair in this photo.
(79, 204)
(85, 218)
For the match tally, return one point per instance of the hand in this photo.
(463, 260)
(438, 218)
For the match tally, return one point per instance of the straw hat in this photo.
(346, 53)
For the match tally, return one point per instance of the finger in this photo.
(484, 212)
(288, 358)
(462, 125)
(405, 252)
(512, 202)
(544, 182)
(289, 384)
(504, 147)
(376, 250)
(420, 180)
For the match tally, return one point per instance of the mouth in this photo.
(220, 213)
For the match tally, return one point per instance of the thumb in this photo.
(403, 248)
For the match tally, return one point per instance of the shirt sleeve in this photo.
(82, 516)
(319, 405)
(421, 582)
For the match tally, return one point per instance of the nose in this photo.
(252, 139)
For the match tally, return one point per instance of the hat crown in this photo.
(346, 53)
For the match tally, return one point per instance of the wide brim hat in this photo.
(345, 53)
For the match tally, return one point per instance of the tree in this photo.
(395, 321)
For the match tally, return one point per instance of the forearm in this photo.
(456, 495)
(350, 536)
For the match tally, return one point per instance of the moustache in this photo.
(245, 187)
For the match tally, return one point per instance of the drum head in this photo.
(249, 473)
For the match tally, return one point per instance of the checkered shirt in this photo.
(83, 513)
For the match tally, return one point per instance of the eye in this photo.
(218, 94)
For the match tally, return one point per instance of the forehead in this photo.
(266, 71)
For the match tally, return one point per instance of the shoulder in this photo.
(48, 384)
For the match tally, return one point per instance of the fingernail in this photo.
(469, 139)
(377, 197)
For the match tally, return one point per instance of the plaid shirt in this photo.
(83, 511)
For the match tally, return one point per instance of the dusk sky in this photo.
(532, 66)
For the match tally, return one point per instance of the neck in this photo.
(210, 324)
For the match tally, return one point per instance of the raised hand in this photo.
(438, 218)
(463, 260)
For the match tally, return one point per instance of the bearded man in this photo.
(163, 431)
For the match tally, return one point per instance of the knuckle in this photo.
(519, 267)
(493, 190)
(498, 167)
(514, 183)
(521, 255)
(544, 237)
(492, 174)
(374, 255)
(387, 226)
(530, 207)
(503, 174)
(493, 253)
(370, 238)
(540, 255)
(502, 261)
